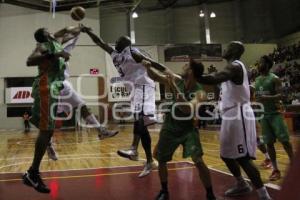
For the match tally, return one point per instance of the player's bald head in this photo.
(123, 42)
(234, 50)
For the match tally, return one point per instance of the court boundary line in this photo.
(269, 185)
(97, 175)
(95, 168)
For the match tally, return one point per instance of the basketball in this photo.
(77, 13)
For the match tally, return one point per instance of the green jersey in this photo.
(53, 71)
(178, 125)
(46, 88)
(265, 85)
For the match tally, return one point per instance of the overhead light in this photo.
(201, 14)
(134, 15)
(212, 15)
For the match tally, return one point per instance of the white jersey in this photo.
(68, 47)
(143, 99)
(130, 70)
(232, 94)
(69, 98)
(238, 131)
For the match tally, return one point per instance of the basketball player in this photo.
(266, 164)
(26, 118)
(268, 92)
(238, 133)
(50, 59)
(177, 132)
(70, 99)
(143, 99)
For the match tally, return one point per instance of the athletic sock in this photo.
(263, 193)
(164, 186)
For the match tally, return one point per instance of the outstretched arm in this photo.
(97, 40)
(156, 76)
(66, 34)
(139, 57)
(188, 106)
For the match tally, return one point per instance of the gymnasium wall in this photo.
(172, 26)
(251, 21)
(252, 53)
(17, 26)
(113, 25)
(226, 26)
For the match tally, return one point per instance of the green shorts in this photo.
(273, 127)
(169, 141)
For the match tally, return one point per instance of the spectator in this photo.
(288, 70)
(26, 118)
(282, 54)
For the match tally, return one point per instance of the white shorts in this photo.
(69, 99)
(143, 101)
(238, 133)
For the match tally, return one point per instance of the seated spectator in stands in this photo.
(296, 101)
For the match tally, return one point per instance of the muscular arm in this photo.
(158, 77)
(229, 73)
(97, 40)
(39, 55)
(188, 106)
(66, 34)
(36, 57)
(138, 57)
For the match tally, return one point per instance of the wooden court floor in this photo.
(83, 150)
(120, 183)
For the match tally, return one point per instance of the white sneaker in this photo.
(131, 154)
(51, 153)
(148, 168)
